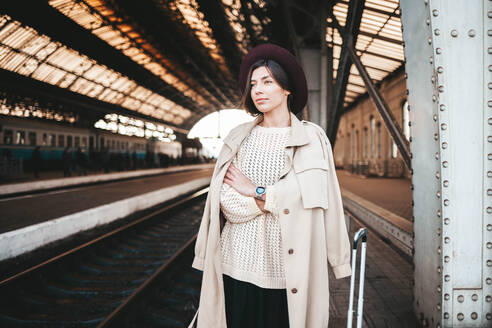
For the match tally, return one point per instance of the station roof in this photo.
(174, 61)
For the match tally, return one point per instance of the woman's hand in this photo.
(237, 180)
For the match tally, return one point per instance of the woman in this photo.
(273, 218)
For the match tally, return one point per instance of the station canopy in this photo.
(174, 61)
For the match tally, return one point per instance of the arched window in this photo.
(353, 141)
(357, 147)
(405, 115)
(371, 135)
(366, 142)
(378, 140)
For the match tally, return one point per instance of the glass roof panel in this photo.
(98, 18)
(20, 48)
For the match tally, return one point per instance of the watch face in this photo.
(260, 190)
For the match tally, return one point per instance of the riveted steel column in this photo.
(448, 64)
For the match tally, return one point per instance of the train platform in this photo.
(31, 221)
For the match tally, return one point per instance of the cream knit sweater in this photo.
(251, 240)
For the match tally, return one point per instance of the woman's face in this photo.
(266, 93)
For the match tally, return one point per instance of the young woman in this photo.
(273, 218)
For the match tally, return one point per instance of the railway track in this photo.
(99, 280)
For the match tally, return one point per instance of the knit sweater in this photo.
(251, 240)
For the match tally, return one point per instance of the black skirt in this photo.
(250, 306)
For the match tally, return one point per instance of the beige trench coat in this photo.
(311, 221)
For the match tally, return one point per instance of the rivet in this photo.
(474, 315)
(426, 2)
(409, 123)
(488, 298)
(447, 278)
(446, 297)
(439, 269)
(474, 297)
(490, 68)
(428, 21)
(489, 85)
(489, 138)
(489, 174)
(431, 60)
(435, 12)
(437, 31)
(489, 14)
(444, 145)
(436, 136)
(454, 33)
(461, 298)
(438, 194)
(446, 315)
(446, 221)
(446, 202)
(438, 213)
(442, 107)
(444, 126)
(438, 306)
(440, 69)
(438, 288)
(410, 139)
(438, 175)
(460, 316)
(489, 121)
(489, 32)
(433, 79)
(489, 245)
(429, 40)
(489, 192)
(445, 183)
(447, 240)
(489, 209)
(489, 156)
(441, 88)
(489, 316)
(489, 103)
(445, 164)
(406, 76)
(489, 227)
(438, 231)
(471, 33)
(436, 155)
(434, 117)
(488, 281)
(438, 51)
(439, 250)
(434, 98)
(447, 259)
(489, 51)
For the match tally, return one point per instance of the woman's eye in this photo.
(268, 81)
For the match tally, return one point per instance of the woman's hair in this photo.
(277, 73)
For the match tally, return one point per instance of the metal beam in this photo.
(354, 15)
(378, 100)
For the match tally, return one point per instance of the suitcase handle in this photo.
(361, 234)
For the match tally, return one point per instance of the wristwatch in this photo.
(259, 191)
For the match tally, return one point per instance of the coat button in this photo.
(294, 290)
(291, 251)
(286, 211)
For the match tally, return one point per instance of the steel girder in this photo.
(448, 62)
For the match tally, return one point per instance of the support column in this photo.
(312, 63)
(448, 64)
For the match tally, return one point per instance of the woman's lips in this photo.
(261, 100)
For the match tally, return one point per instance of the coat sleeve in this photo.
(337, 240)
(201, 239)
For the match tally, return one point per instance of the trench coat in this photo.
(312, 224)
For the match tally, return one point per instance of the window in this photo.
(77, 142)
(378, 140)
(69, 141)
(405, 115)
(32, 138)
(52, 140)
(8, 137)
(113, 144)
(371, 134)
(45, 139)
(61, 140)
(20, 138)
(366, 142)
(84, 142)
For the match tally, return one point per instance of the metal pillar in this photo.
(448, 62)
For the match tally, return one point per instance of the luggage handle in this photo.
(361, 234)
